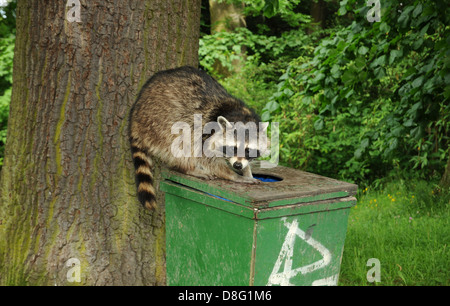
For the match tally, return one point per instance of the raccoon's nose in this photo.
(237, 165)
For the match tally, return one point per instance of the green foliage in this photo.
(226, 47)
(257, 46)
(284, 8)
(264, 57)
(366, 100)
(373, 98)
(6, 57)
(7, 40)
(270, 8)
(4, 112)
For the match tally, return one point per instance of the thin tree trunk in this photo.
(445, 180)
(226, 17)
(67, 184)
(317, 13)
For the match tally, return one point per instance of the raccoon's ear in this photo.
(223, 122)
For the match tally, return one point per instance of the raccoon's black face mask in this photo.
(239, 160)
(236, 142)
(238, 147)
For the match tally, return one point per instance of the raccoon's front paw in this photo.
(248, 180)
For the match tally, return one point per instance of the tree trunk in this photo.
(445, 180)
(226, 16)
(67, 184)
(317, 13)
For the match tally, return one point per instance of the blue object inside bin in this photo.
(266, 178)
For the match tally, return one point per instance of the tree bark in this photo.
(67, 184)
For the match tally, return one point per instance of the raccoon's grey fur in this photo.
(175, 96)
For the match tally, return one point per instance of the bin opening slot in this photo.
(267, 178)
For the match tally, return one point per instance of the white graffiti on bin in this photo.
(286, 254)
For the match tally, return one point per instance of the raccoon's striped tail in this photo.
(144, 178)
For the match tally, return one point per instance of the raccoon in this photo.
(178, 96)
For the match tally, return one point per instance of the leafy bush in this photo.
(244, 45)
(264, 59)
(373, 98)
(6, 61)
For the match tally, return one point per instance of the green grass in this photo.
(406, 227)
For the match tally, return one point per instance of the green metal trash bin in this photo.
(289, 232)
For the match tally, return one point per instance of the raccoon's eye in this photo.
(251, 153)
(229, 151)
(247, 153)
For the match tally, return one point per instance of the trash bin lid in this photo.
(295, 187)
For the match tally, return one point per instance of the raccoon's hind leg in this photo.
(144, 178)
